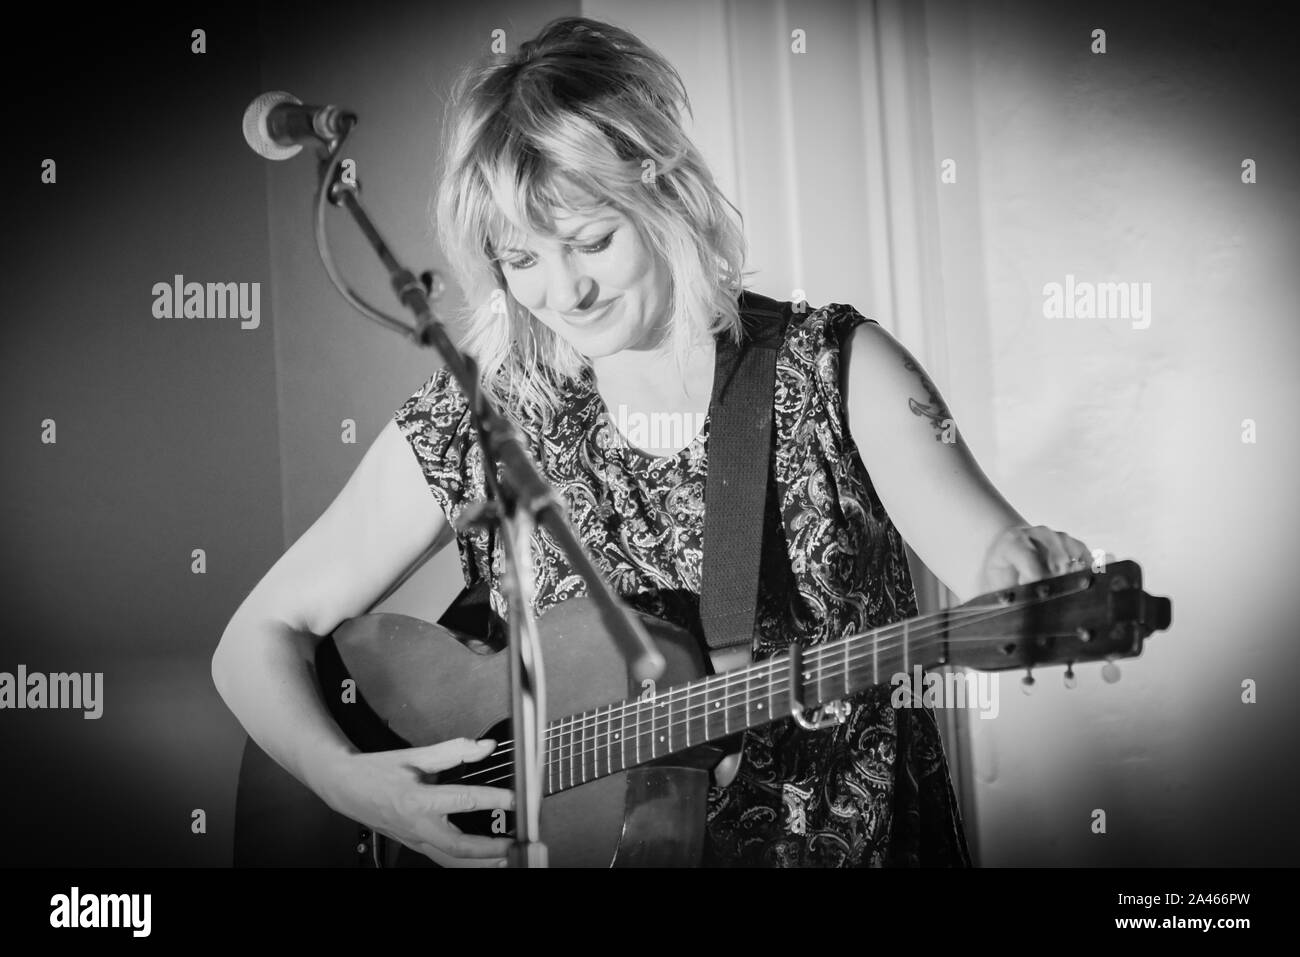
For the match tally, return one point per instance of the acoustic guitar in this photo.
(626, 768)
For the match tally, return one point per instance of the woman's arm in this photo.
(263, 668)
(937, 495)
(380, 522)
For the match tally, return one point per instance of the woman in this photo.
(600, 262)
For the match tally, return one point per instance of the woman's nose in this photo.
(569, 291)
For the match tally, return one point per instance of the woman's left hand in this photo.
(1028, 553)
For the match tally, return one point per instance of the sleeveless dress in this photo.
(874, 791)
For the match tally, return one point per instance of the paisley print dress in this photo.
(874, 791)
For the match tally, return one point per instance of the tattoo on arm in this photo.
(934, 410)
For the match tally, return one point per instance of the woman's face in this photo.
(599, 287)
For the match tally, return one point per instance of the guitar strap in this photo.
(740, 453)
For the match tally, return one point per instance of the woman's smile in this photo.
(586, 319)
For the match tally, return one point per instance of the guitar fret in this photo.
(604, 746)
(546, 758)
(847, 643)
(582, 755)
(702, 717)
(749, 699)
(712, 706)
(623, 736)
(668, 705)
(656, 711)
(770, 684)
(667, 739)
(816, 668)
(665, 712)
(636, 729)
(564, 730)
(651, 705)
(589, 754)
(655, 730)
(573, 755)
(688, 719)
(655, 706)
(704, 714)
(726, 705)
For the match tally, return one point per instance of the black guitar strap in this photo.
(740, 453)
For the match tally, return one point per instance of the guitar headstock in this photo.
(1080, 616)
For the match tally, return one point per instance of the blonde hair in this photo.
(583, 105)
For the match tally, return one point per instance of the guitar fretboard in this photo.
(591, 745)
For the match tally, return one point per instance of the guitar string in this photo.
(767, 669)
(759, 670)
(831, 650)
(613, 739)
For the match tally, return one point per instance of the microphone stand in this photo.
(516, 503)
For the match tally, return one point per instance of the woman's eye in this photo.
(597, 247)
(601, 246)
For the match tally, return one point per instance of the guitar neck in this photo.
(591, 745)
(1077, 617)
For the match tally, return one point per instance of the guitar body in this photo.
(429, 684)
(418, 683)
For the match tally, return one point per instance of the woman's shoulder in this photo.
(809, 364)
(435, 418)
(815, 330)
(439, 392)
(814, 338)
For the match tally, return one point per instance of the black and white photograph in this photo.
(731, 434)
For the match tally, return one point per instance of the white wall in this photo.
(1126, 167)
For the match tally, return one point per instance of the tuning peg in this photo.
(1070, 680)
(1027, 682)
(1110, 672)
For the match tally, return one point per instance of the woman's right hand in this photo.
(388, 792)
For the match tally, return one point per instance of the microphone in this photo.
(276, 125)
